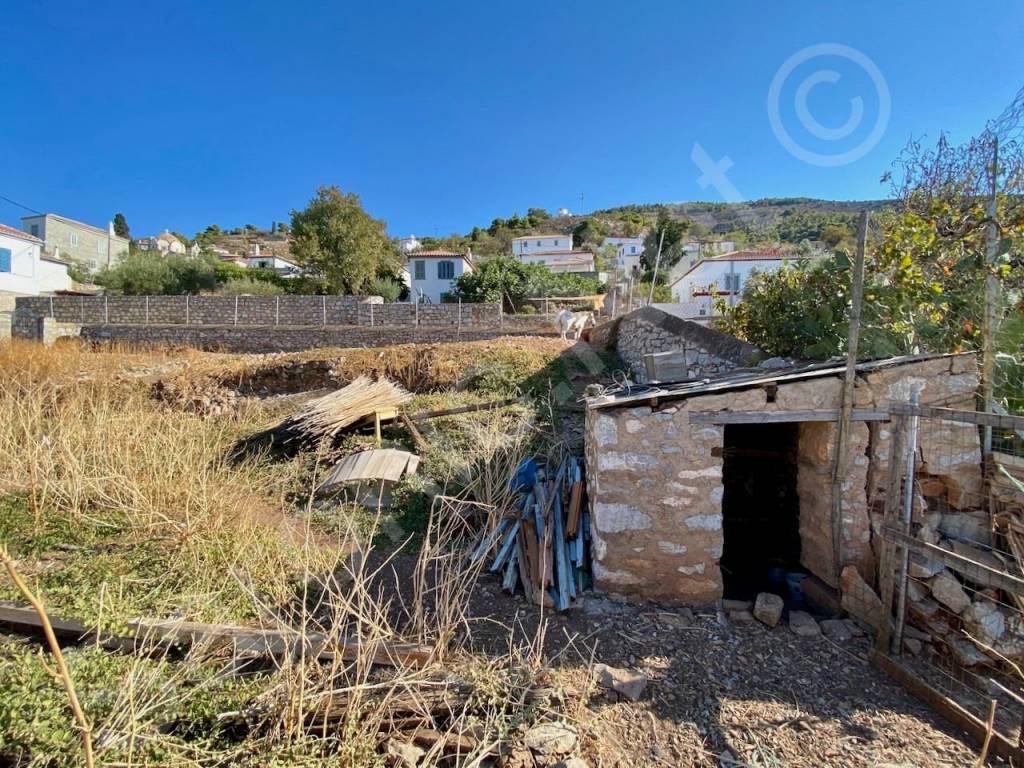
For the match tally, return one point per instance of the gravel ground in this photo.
(721, 694)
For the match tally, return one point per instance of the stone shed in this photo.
(691, 501)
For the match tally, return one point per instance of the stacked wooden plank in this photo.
(543, 545)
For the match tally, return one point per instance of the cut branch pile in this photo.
(327, 417)
(544, 545)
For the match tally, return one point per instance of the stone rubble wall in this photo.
(655, 480)
(256, 311)
(649, 331)
(280, 339)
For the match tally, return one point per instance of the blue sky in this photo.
(442, 115)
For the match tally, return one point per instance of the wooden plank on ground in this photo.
(244, 640)
(424, 415)
(947, 708)
(965, 417)
(782, 417)
(973, 570)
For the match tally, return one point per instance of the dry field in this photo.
(121, 495)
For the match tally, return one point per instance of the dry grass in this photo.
(147, 513)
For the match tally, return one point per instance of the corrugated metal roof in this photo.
(376, 464)
(742, 379)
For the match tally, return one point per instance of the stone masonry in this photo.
(651, 330)
(655, 479)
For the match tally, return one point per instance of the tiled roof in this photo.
(12, 232)
(767, 254)
(438, 255)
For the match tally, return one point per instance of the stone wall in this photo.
(650, 330)
(655, 480)
(255, 311)
(280, 339)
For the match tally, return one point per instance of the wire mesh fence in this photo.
(952, 571)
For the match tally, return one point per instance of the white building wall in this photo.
(430, 286)
(524, 245)
(30, 275)
(728, 278)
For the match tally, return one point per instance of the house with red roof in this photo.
(722, 277)
(432, 274)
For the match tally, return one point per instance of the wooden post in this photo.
(887, 564)
(990, 318)
(842, 451)
(905, 518)
(376, 427)
(657, 263)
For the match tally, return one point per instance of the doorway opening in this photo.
(760, 509)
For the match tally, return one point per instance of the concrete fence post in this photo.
(277, 310)
(187, 318)
(81, 309)
(147, 310)
(416, 313)
(323, 304)
(371, 315)
(106, 310)
(236, 310)
(501, 315)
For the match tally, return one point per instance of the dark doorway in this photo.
(760, 509)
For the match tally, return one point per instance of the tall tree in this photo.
(671, 249)
(334, 236)
(121, 226)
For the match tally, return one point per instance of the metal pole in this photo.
(147, 310)
(501, 315)
(842, 451)
(277, 310)
(657, 263)
(51, 308)
(236, 310)
(371, 315)
(990, 319)
(908, 509)
(323, 304)
(106, 310)
(81, 309)
(459, 331)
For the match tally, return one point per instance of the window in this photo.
(556, 243)
(445, 270)
(99, 247)
(732, 282)
(419, 270)
(632, 249)
(5, 259)
(539, 242)
(74, 239)
(34, 230)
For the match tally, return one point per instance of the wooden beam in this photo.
(965, 417)
(246, 641)
(782, 417)
(947, 708)
(424, 415)
(972, 569)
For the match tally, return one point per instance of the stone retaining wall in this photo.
(650, 330)
(293, 339)
(255, 311)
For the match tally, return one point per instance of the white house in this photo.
(25, 270)
(432, 274)
(408, 244)
(283, 267)
(561, 261)
(529, 244)
(722, 277)
(165, 243)
(628, 250)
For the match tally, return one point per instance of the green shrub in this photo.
(527, 309)
(247, 287)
